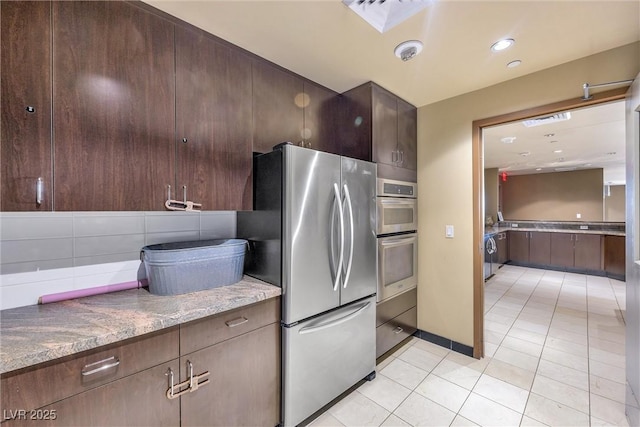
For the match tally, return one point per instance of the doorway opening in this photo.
(478, 193)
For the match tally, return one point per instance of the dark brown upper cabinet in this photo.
(321, 114)
(378, 126)
(213, 122)
(25, 128)
(278, 107)
(113, 107)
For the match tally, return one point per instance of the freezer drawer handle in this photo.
(87, 370)
(236, 322)
(311, 329)
(398, 330)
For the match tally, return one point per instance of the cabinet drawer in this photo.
(214, 329)
(49, 382)
(394, 331)
(394, 307)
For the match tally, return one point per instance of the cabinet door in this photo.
(244, 382)
(213, 112)
(113, 103)
(519, 247)
(539, 248)
(355, 123)
(25, 76)
(614, 255)
(588, 251)
(503, 248)
(561, 250)
(407, 135)
(321, 111)
(385, 126)
(136, 400)
(278, 102)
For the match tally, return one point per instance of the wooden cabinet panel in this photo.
(355, 125)
(137, 400)
(503, 248)
(244, 382)
(615, 256)
(519, 246)
(278, 102)
(588, 252)
(25, 81)
(539, 248)
(113, 103)
(321, 114)
(213, 116)
(34, 387)
(561, 250)
(212, 330)
(407, 135)
(385, 126)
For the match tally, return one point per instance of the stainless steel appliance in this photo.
(490, 256)
(397, 210)
(397, 264)
(397, 221)
(312, 232)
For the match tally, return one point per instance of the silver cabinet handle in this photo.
(394, 156)
(336, 191)
(39, 191)
(398, 330)
(110, 362)
(352, 236)
(236, 322)
(401, 156)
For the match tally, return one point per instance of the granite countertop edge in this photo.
(40, 333)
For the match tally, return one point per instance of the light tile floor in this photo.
(554, 355)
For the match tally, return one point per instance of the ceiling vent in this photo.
(386, 14)
(559, 117)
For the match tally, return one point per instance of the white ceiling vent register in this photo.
(386, 14)
(559, 117)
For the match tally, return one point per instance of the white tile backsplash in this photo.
(50, 252)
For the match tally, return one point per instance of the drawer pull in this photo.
(111, 362)
(398, 330)
(236, 322)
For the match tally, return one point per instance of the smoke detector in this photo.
(409, 49)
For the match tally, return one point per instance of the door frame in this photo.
(478, 183)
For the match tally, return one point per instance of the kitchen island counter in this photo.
(40, 333)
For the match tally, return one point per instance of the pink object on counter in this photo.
(62, 296)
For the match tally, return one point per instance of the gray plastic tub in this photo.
(182, 267)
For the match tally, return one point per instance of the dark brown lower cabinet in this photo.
(614, 256)
(561, 250)
(244, 381)
(588, 252)
(539, 248)
(519, 247)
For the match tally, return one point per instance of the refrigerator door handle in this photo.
(336, 191)
(332, 323)
(352, 237)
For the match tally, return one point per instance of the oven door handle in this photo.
(336, 191)
(396, 201)
(397, 242)
(348, 204)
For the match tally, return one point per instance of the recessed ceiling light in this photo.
(525, 153)
(508, 139)
(557, 151)
(502, 44)
(409, 49)
(538, 169)
(514, 64)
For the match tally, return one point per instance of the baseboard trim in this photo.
(444, 342)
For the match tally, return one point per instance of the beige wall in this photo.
(614, 204)
(491, 193)
(445, 291)
(556, 196)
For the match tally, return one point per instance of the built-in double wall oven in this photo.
(397, 220)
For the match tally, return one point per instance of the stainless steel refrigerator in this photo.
(312, 232)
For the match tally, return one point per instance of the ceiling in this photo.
(330, 44)
(327, 42)
(594, 137)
